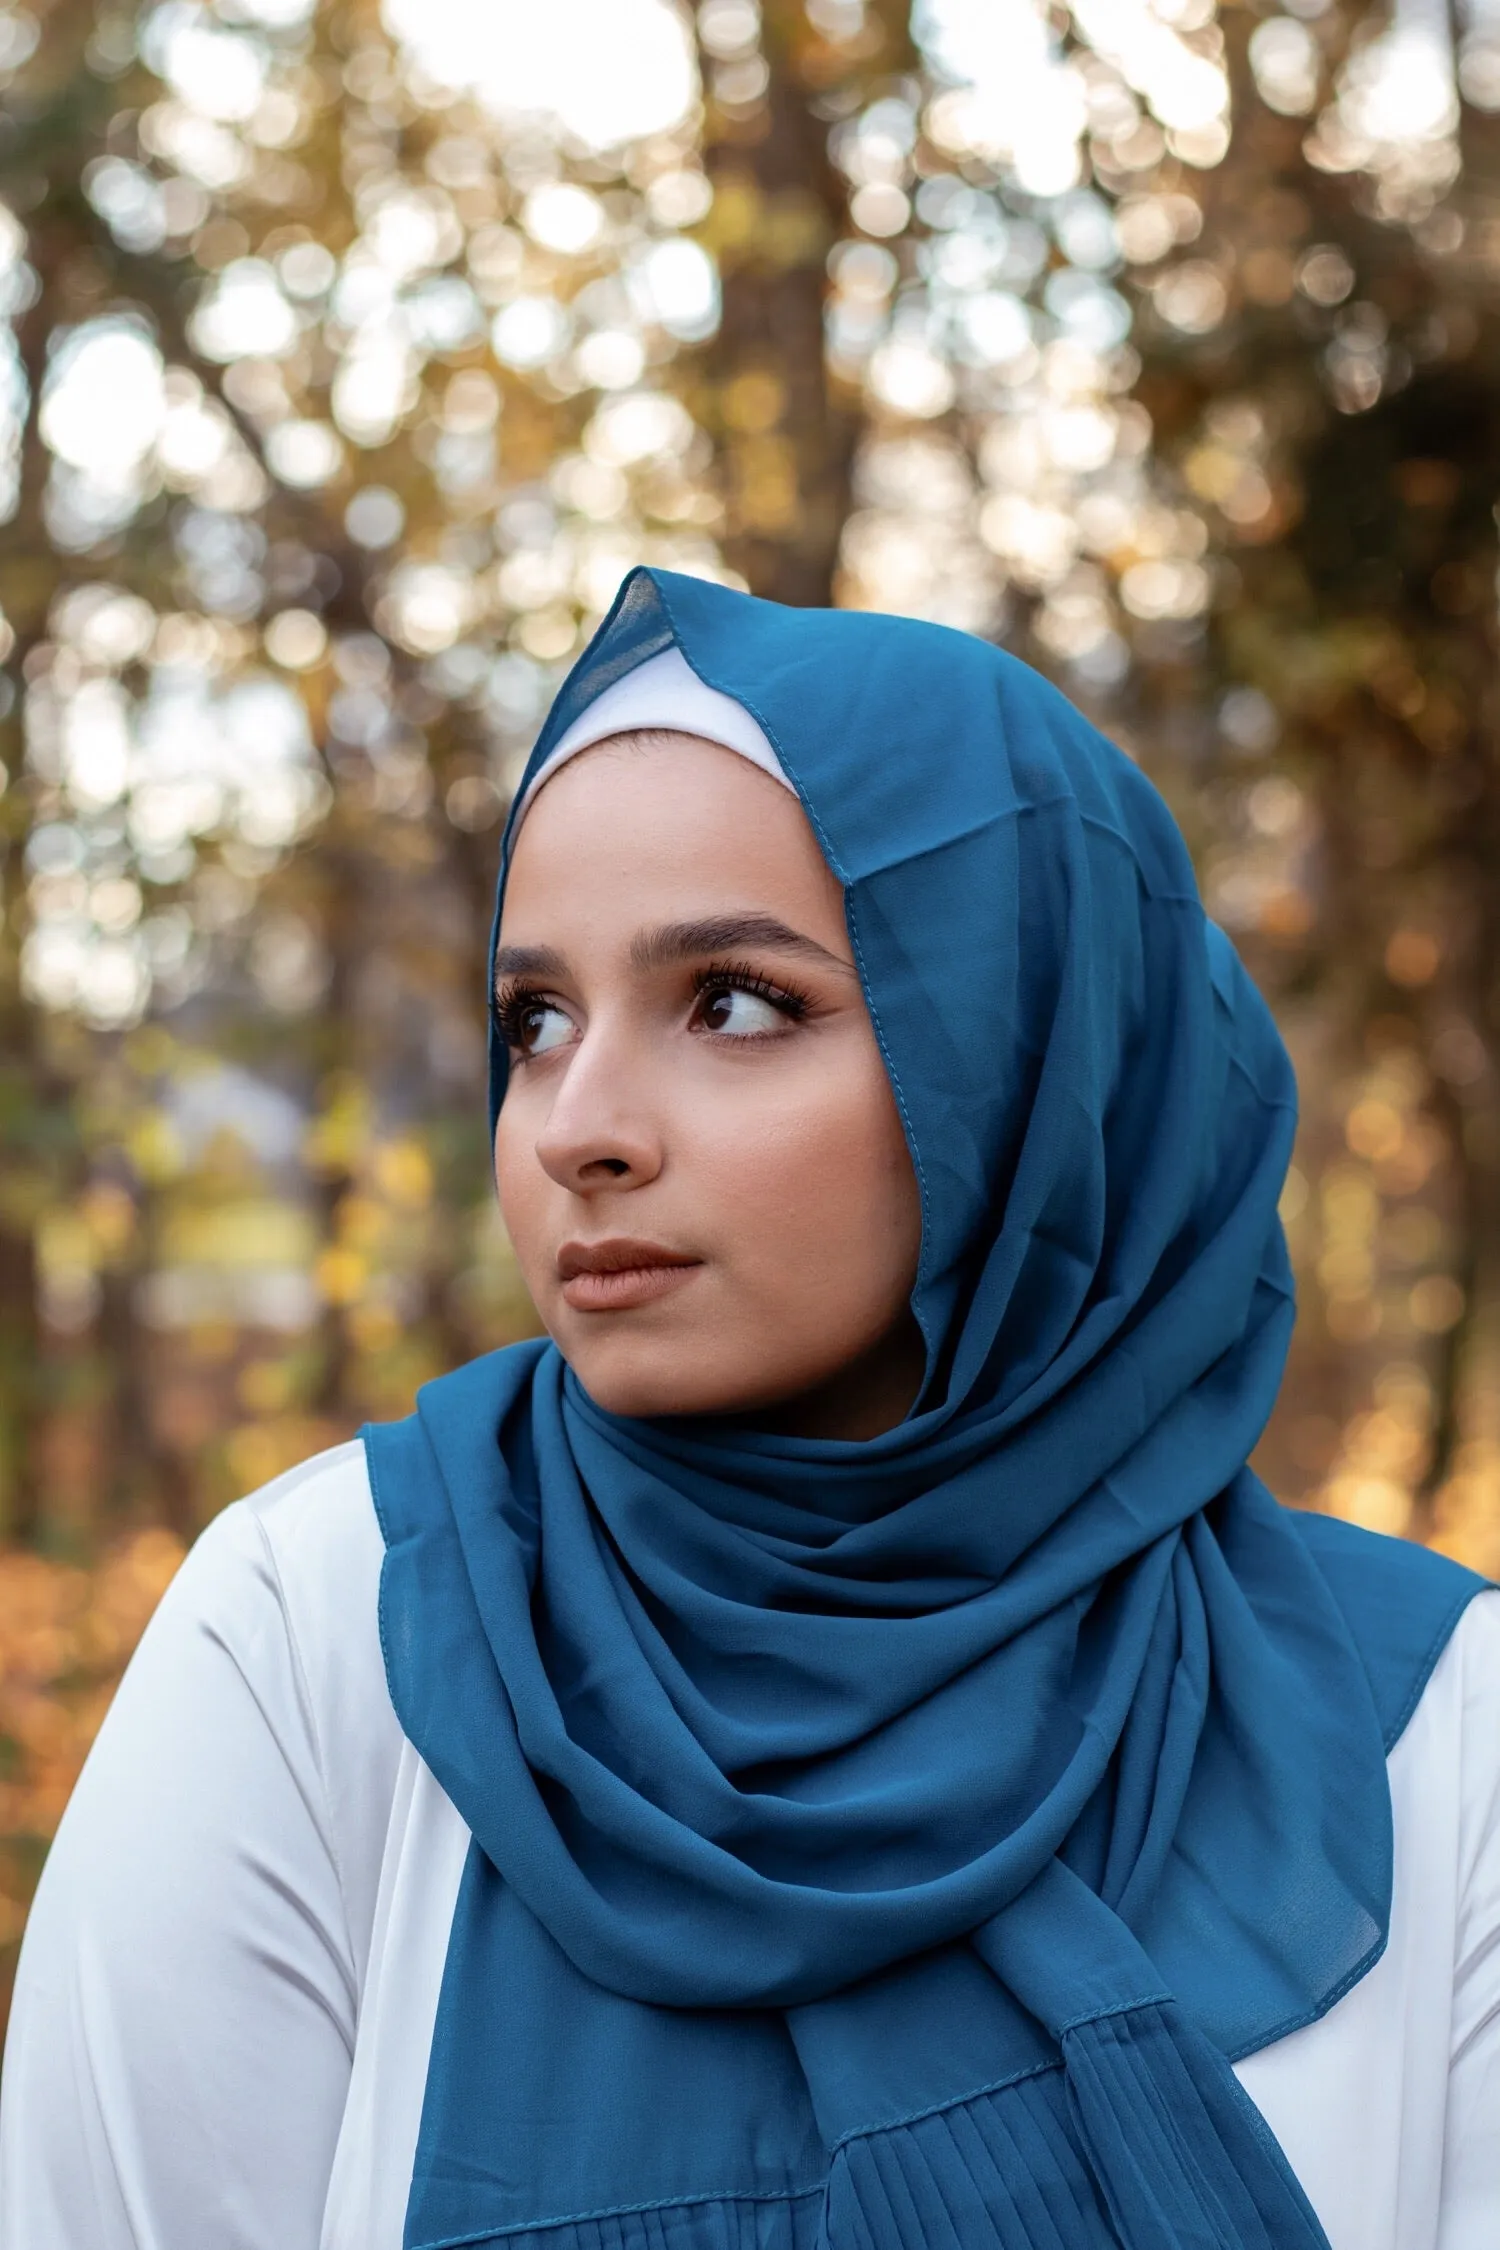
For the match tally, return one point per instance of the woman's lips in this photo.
(613, 1276)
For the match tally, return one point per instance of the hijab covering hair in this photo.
(889, 1845)
(664, 692)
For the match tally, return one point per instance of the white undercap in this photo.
(663, 692)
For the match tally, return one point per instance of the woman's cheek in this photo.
(521, 1185)
(808, 1180)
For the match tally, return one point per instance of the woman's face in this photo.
(699, 1158)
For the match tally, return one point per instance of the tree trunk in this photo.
(785, 435)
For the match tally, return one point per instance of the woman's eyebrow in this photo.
(530, 961)
(722, 933)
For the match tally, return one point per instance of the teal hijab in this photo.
(889, 1846)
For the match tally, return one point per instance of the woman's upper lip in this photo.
(617, 1254)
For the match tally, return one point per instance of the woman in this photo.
(835, 1747)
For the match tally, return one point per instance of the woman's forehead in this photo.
(672, 828)
(662, 790)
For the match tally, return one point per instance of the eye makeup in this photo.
(743, 976)
(517, 1010)
(520, 1006)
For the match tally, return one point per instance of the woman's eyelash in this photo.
(512, 1004)
(741, 976)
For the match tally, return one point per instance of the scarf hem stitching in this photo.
(511, 2227)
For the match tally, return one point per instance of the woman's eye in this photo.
(743, 1015)
(541, 1027)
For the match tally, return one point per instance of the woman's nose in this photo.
(601, 1131)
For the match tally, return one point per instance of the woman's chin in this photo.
(632, 1368)
(646, 1394)
(645, 1377)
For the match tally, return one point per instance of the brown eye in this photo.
(738, 1014)
(538, 1026)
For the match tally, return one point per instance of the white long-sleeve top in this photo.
(228, 1986)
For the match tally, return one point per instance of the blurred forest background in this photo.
(350, 354)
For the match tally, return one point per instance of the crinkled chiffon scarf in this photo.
(889, 1846)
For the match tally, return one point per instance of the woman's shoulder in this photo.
(313, 1522)
(273, 1625)
(1428, 1635)
(298, 1563)
(1403, 1605)
(1461, 1706)
(1456, 1721)
(291, 1573)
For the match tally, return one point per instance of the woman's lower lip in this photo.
(617, 1292)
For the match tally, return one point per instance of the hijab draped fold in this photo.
(889, 1846)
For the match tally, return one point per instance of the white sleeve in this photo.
(184, 2015)
(1471, 2157)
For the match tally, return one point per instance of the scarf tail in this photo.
(1144, 2138)
(1183, 2158)
(1002, 2170)
(728, 2222)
